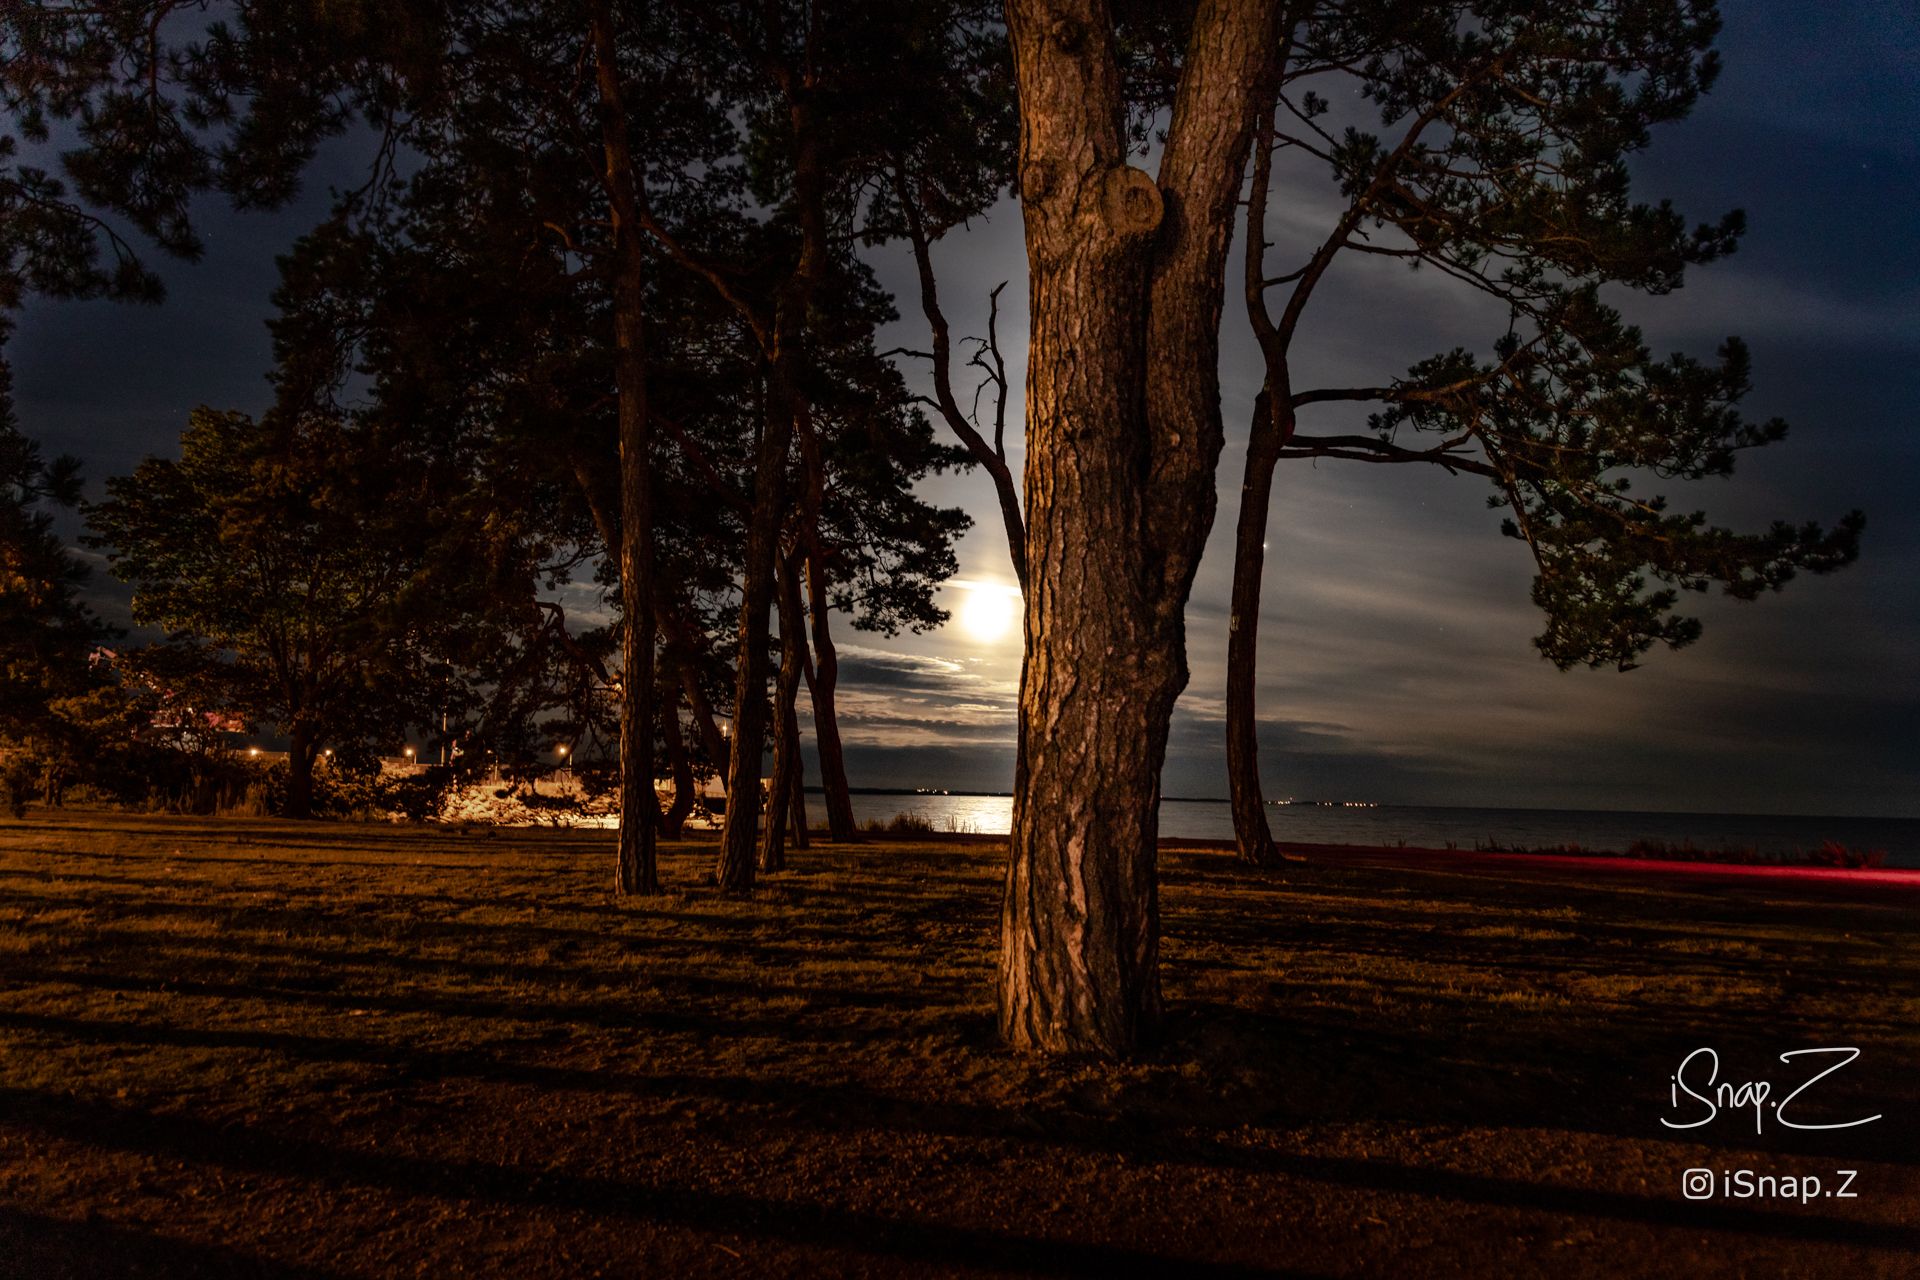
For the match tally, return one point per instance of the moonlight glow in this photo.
(987, 613)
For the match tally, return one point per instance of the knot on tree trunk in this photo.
(1130, 202)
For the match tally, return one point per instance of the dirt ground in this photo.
(240, 1047)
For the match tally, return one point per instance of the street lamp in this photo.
(565, 766)
(409, 755)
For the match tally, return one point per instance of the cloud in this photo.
(1395, 660)
(1723, 299)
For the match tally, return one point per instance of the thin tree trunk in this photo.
(797, 792)
(823, 681)
(739, 835)
(797, 763)
(788, 414)
(773, 856)
(681, 641)
(674, 821)
(1250, 829)
(300, 753)
(1123, 433)
(636, 869)
(993, 458)
(712, 741)
(1267, 434)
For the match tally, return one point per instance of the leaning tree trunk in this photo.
(712, 741)
(636, 869)
(825, 681)
(1123, 432)
(1250, 830)
(773, 847)
(674, 821)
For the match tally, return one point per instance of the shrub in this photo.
(419, 796)
(901, 824)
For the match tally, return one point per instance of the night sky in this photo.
(1396, 663)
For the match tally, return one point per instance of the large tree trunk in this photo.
(636, 870)
(773, 847)
(823, 681)
(1250, 830)
(1123, 432)
(1080, 926)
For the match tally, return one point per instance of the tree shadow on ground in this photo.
(848, 1010)
(242, 1148)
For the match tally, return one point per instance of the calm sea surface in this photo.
(1433, 826)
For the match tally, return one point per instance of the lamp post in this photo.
(566, 762)
(409, 755)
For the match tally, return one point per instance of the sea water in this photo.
(1436, 826)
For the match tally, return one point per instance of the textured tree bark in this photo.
(1123, 434)
(823, 681)
(773, 848)
(1249, 805)
(636, 869)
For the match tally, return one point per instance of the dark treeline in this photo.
(599, 317)
(520, 355)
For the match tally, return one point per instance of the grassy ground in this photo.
(241, 1046)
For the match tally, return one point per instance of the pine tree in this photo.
(47, 634)
(1501, 163)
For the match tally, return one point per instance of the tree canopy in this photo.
(1498, 157)
(48, 635)
(292, 549)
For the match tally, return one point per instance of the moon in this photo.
(987, 614)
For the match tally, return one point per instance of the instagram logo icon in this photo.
(1697, 1184)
